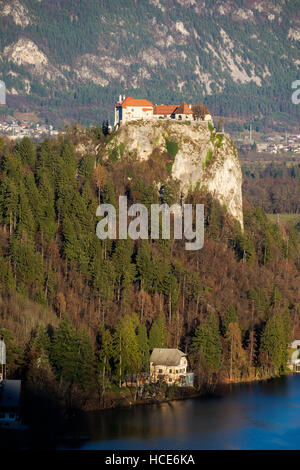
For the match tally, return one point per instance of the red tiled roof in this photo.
(183, 109)
(165, 109)
(129, 101)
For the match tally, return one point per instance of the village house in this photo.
(294, 362)
(170, 366)
(130, 109)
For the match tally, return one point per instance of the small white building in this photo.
(130, 109)
(170, 366)
(295, 344)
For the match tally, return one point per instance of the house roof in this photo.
(183, 108)
(136, 102)
(165, 109)
(166, 357)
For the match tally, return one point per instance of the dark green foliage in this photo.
(127, 352)
(143, 343)
(208, 343)
(26, 151)
(231, 316)
(145, 266)
(72, 355)
(158, 334)
(172, 147)
(275, 339)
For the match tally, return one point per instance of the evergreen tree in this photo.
(207, 341)
(158, 333)
(274, 342)
(143, 343)
(126, 351)
(231, 316)
(105, 354)
(124, 269)
(72, 355)
(26, 151)
(144, 266)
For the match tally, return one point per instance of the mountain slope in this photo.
(72, 58)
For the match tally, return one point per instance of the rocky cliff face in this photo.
(202, 157)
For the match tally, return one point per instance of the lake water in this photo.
(249, 416)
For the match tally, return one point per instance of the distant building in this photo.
(170, 366)
(295, 344)
(181, 112)
(130, 109)
(294, 362)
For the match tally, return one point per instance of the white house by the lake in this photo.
(170, 366)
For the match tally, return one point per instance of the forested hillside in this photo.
(83, 313)
(274, 187)
(69, 59)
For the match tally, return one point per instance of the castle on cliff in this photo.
(131, 109)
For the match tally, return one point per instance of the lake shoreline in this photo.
(119, 401)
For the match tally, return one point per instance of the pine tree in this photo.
(124, 269)
(274, 342)
(72, 355)
(158, 333)
(105, 354)
(26, 151)
(143, 343)
(207, 341)
(231, 316)
(144, 266)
